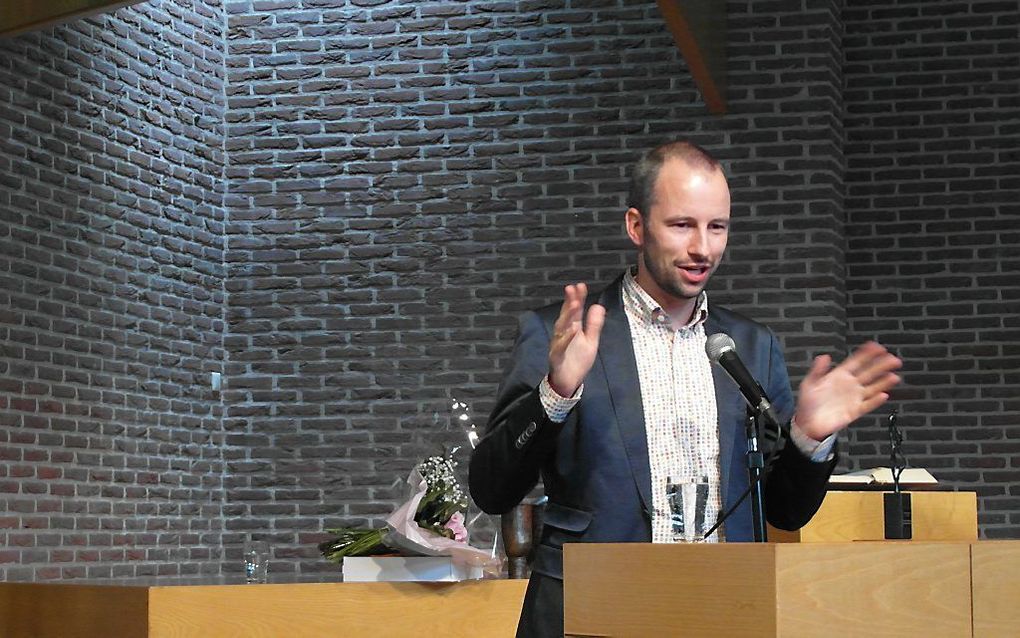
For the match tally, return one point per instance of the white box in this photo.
(361, 569)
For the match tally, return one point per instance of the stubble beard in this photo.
(666, 278)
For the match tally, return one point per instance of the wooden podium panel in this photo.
(641, 589)
(874, 589)
(757, 590)
(995, 570)
(312, 610)
(859, 516)
(41, 610)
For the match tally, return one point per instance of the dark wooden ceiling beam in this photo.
(19, 16)
(699, 30)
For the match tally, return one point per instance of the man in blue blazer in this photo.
(570, 408)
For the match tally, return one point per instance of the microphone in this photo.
(721, 350)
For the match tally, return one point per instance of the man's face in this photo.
(683, 236)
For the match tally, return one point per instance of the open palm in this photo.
(829, 399)
(574, 342)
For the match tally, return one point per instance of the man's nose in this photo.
(698, 246)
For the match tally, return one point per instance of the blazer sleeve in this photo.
(506, 464)
(796, 485)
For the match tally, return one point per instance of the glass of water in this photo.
(688, 501)
(256, 561)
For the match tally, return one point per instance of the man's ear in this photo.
(635, 226)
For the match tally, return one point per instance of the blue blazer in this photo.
(595, 464)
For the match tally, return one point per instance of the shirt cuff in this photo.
(817, 451)
(557, 407)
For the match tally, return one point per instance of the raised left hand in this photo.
(829, 399)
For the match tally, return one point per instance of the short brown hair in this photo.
(646, 171)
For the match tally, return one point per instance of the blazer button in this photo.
(531, 428)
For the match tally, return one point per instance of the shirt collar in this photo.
(637, 301)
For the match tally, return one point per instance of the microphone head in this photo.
(718, 344)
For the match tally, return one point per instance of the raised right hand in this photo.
(573, 346)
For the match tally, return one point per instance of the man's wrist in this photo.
(560, 388)
(556, 405)
(818, 451)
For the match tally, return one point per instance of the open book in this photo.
(882, 476)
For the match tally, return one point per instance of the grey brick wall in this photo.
(933, 122)
(345, 205)
(405, 178)
(112, 299)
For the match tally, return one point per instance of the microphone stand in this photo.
(897, 506)
(756, 478)
(757, 474)
(897, 462)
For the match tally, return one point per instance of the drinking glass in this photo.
(256, 561)
(688, 501)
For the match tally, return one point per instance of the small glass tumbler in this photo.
(256, 561)
(688, 501)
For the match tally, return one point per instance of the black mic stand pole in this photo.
(756, 474)
(755, 477)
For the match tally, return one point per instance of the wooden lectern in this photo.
(768, 589)
(835, 577)
(869, 589)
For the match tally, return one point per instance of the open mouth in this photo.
(695, 273)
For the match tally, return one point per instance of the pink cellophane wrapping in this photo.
(404, 533)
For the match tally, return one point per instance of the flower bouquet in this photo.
(429, 523)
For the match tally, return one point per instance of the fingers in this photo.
(870, 361)
(593, 322)
(860, 357)
(872, 366)
(576, 293)
(819, 367)
(879, 369)
(874, 402)
(573, 303)
(883, 384)
(569, 321)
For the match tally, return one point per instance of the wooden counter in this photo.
(69, 610)
(859, 516)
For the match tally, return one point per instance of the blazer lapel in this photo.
(729, 405)
(616, 355)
